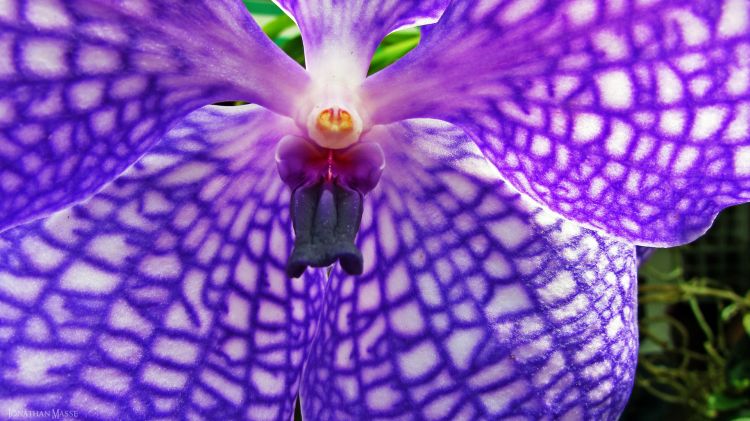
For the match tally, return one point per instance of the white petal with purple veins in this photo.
(86, 87)
(118, 308)
(624, 116)
(495, 338)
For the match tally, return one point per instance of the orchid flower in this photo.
(478, 202)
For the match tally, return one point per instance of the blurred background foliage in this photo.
(694, 316)
(694, 313)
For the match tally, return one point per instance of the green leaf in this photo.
(722, 402)
(295, 49)
(262, 7)
(277, 26)
(729, 312)
(401, 36)
(664, 266)
(746, 323)
(739, 376)
(393, 47)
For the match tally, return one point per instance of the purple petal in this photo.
(481, 305)
(631, 117)
(341, 36)
(86, 87)
(164, 295)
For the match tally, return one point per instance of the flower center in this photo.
(334, 127)
(334, 121)
(328, 189)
